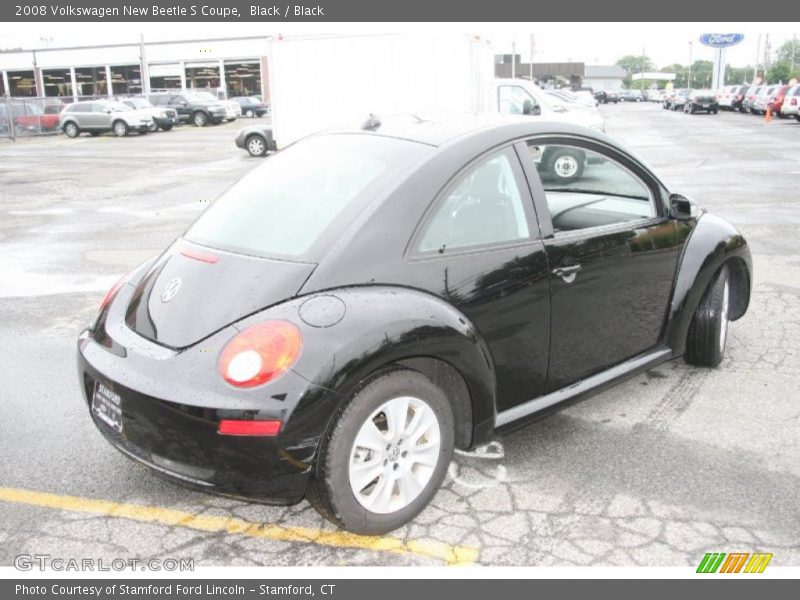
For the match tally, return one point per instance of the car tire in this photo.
(120, 128)
(166, 127)
(71, 130)
(200, 119)
(153, 126)
(249, 114)
(256, 145)
(708, 332)
(340, 488)
(563, 165)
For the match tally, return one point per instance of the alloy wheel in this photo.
(394, 454)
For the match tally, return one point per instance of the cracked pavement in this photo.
(672, 464)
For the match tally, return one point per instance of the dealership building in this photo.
(230, 66)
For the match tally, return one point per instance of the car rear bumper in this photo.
(180, 440)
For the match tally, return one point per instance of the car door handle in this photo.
(568, 274)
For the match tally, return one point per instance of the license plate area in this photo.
(705, 105)
(107, 406)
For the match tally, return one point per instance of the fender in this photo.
(712, 242)
(349, 333)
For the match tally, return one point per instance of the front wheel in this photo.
(153, 127)
(708, 332)
(249, 113)
(120, 128)
(386, 454)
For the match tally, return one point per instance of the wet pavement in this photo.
(672, 464)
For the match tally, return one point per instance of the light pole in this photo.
(689, 76)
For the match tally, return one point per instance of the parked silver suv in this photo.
(98, 116)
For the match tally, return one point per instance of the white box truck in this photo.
(320, 82)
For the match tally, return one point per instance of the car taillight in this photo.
(738, 96)
(242, 427)
(695, 99)
(113, 291)
(260, 353)
(794, 102)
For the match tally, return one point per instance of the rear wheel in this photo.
(564, 165)
(385, 455)
(120, 128)
(256, 145)
(200, 119)
(708, 333)
(72, 130)
(166, 127)
(249, 113)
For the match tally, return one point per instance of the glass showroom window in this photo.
(57, 83)
(91, 81)
(204, 76)
(243, 78)
(22, 83)
(126, 79)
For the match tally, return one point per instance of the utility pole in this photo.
(641, 72)
(689, 75)
(144, 76)
(513, 57)
(758, 52)
(531, 60)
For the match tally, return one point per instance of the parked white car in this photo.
(233, 109)
(791, 100)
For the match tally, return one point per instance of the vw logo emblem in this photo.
(172, 289)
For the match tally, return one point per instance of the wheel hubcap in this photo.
(256, 146)
(723, 328)
(566, 166)
(394, 455)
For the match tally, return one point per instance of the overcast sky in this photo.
(593, 43)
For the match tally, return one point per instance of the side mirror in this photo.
(529, 108)
(107, 111)
(683, 208)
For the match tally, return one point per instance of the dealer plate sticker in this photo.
(107, 405)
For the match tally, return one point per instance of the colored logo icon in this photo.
(735, 562)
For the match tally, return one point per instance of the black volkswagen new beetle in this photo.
(366, 301)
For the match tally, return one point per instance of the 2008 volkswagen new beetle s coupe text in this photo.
(366, 301)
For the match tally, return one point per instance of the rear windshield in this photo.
(312, 188)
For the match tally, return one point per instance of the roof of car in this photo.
(441, 129)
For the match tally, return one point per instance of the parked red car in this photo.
(29, 116)
(775, 101)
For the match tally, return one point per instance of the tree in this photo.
(787, 62)
(634, 64)
(680, 74)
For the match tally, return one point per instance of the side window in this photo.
(483, 207)
(586, 189)
(512, 100)
(175, 100)
(98, 107)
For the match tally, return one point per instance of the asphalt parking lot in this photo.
(675, 463)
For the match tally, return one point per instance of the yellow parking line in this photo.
(451, 555)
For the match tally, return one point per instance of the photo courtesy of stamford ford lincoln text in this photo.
(292, 296)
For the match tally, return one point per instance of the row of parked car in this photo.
(123, 115)
(780, 100)
(156, 111)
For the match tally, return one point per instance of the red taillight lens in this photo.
(260, 353)
(237, 427)
(113, 291)
(794, 102)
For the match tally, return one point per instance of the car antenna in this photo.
(372, 123)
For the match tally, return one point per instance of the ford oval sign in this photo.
(721, 40)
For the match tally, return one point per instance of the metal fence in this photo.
(20, 117)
